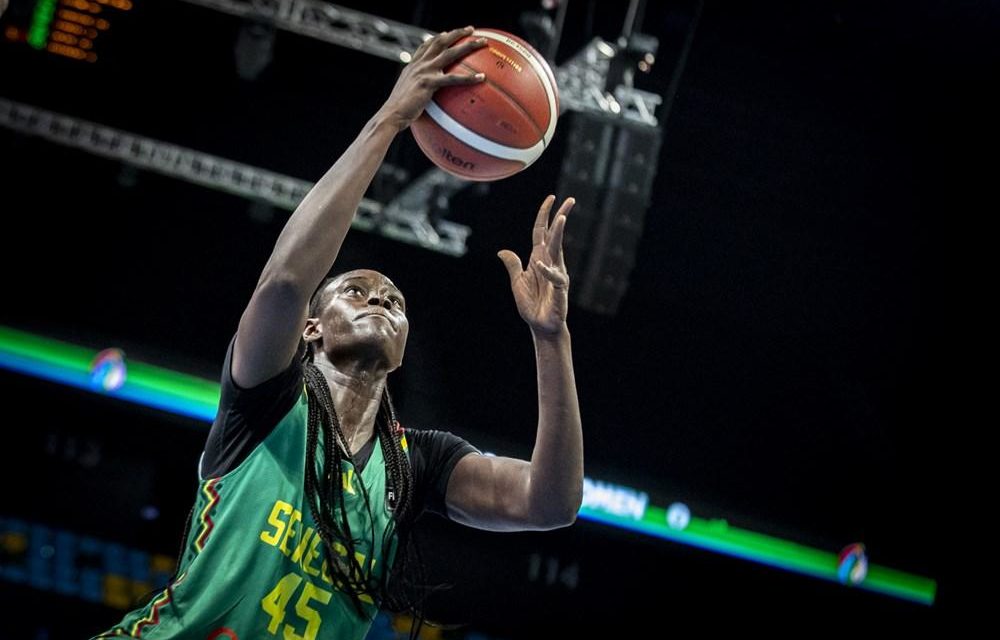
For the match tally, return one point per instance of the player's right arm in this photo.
(304, 253)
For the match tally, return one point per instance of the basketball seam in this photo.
(546, 67)
(511, 99)
(538, 64)
(477, 141)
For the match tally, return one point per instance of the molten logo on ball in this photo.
(452, 158)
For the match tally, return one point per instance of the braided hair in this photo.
(402, 587)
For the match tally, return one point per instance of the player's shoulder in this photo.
(419, 437)
(426, 435)
(437, 442)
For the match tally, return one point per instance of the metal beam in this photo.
(330, 23)
(399, 222)
(581, 79)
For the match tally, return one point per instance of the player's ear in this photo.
(313, 330)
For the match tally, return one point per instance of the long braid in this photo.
(402, 586)
(396, 459)
(407, 585)
(325, 497)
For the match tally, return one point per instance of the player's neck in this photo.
(356, 396)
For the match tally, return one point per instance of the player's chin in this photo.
(386, 348)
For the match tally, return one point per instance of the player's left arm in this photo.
(507, 494)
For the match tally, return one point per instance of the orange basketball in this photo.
(493, 129)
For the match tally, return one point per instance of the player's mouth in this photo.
(378, 315)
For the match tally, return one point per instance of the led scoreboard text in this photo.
(68, 28)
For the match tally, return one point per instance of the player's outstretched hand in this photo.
(541, 290)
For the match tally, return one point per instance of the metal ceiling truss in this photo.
(328, 22)
(581, 79)
(397, 221)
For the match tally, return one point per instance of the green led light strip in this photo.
(145, 384)
(41, 20)
(180, 393)
(719, 536)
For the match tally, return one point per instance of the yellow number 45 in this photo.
(275, 603)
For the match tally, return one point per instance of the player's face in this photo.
(364, 314)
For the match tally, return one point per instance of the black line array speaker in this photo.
(609, 167)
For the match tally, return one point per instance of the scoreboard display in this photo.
(71, 29)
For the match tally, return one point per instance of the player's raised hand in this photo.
(425, 74)
(541, 289)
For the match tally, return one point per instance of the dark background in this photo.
(784, 357)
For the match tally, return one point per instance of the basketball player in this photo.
(309, 485)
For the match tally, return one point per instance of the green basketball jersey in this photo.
(254, 566)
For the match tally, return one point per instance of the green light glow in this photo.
(70, 364)
(189, 395)
(41, 20)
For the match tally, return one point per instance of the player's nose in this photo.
(380, 297)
